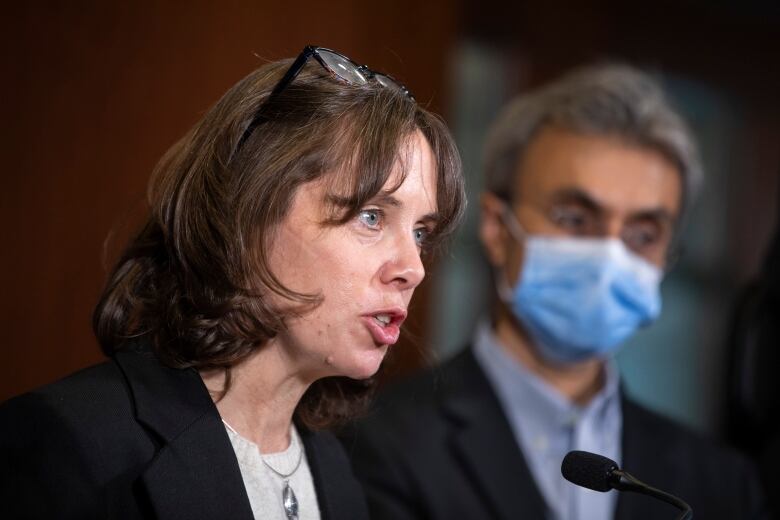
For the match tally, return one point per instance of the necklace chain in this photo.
(285, 475)
(262, 458)
(289, 500)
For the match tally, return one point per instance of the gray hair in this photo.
(613, 100)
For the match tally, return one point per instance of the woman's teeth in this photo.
(384, 319)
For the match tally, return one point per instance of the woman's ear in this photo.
(492, 231)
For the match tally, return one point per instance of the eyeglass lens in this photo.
(354, 74)
(342, 67)
(387, 81)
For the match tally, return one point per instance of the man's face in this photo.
(570, 184)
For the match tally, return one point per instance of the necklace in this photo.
(289, 500)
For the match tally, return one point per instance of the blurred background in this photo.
(93, 93)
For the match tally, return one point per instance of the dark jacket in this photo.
(130, 438)
(439, 447)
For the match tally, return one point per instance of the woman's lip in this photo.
(382, 334)
(385, 334)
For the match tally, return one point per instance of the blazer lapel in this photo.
(195, 473)
(645, 461)
(338, 494)
(483, 441)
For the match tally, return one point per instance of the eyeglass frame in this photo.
(313, 51)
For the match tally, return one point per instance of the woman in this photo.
(283, 245)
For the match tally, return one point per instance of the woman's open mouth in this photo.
(385, 325)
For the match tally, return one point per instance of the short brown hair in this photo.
(193, 279)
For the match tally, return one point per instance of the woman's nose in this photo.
(404, 267)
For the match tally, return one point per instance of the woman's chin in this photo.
(366, 364)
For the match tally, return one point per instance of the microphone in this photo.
(599, 473)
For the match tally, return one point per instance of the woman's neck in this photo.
(261, 399)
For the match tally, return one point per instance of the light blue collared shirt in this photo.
(547, 426)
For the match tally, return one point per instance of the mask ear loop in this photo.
(508, 217)
(512, 224)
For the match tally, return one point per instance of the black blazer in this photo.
(130, 438)
(439, 447)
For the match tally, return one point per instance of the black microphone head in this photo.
(588, 470)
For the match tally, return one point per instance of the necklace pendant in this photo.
(290, 501)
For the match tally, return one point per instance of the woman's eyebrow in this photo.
(386, 199)
(433, 217)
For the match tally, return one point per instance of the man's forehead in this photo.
(615, 175)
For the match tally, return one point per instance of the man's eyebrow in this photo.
(578, 196)
(658, 214)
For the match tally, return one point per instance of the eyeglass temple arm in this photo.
(294, 69)
(290, 75)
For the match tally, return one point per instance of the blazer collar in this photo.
(195, 473)
(338, 494)
(167, 400)
(648, 454)
(484, 443)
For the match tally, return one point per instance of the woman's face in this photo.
(365, 270)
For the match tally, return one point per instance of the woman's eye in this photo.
(421, 236)
(370, 217)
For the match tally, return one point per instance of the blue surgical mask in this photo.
(580, 298)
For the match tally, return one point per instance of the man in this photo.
(587, 181)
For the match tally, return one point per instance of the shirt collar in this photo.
(521, 390)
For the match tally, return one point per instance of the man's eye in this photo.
(370, 217)
(570, 219)
(639, 239)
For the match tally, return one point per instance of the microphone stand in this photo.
(623, 481)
